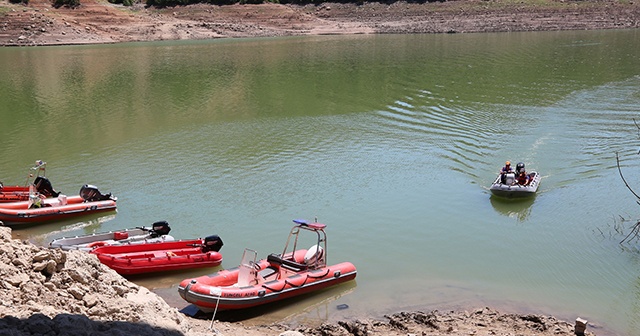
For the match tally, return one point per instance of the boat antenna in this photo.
(40, 165)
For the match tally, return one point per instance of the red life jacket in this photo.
(523, 179)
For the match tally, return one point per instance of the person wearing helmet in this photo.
(521, 175)
(505, 170)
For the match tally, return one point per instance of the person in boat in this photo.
(522, 177)
(36, 201)
(504, 171)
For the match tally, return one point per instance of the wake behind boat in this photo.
(279, 276)
(158, 232)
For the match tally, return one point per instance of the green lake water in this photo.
(390, 140)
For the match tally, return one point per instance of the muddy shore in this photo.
(93, 22)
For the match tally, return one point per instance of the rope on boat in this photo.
(318, 276)
(275, 290)
(214, 316)
(293, 285)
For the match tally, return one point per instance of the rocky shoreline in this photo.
(53, 292)
(96, 22)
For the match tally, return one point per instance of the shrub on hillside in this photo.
(123, 2)
(68, 3)
(171, 3)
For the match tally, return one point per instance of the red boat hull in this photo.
(14, 194)
(157, 257)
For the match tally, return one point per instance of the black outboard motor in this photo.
(519, 168)
(160, 228)
(43, 186)
(212, 243)
(91, 193)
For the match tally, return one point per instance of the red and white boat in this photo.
(161, 256)
(21, 193)
(279, 276)
(37, 210)
(158, 232)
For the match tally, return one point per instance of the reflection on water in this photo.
(323, 305)
(42, 234)
(518, 208)
(635, 309)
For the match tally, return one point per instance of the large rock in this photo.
(49, 289)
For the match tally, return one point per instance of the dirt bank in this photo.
(94, 21)
(50, 292)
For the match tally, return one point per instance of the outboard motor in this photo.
(91, 193)
(43, 186)
(160, 228)
(519, 168)
(212, 243)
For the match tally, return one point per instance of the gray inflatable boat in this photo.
(159, 232)
(509, 188)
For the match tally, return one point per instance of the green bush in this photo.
(124, 2)
(172, 3)
(68, 3)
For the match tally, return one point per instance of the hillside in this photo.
(97, 21)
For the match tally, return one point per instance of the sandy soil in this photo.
(51, 292)
(97, 21)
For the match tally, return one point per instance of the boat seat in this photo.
(62, 199)
(510, 179)
(267, 272)
(276, 260)
(119, 235)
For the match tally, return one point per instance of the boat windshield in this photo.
(247, 275)
(249, 257)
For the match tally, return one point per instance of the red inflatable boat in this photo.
(21, 193)
(277, 277)
(38, 210)
(161, 256)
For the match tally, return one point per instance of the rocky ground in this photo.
(52, 292)
(97, 21)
